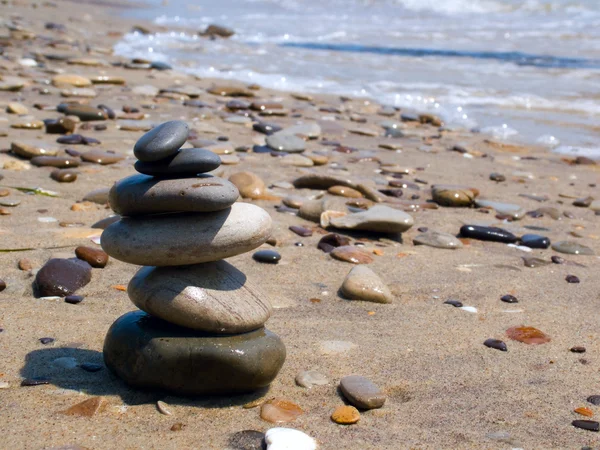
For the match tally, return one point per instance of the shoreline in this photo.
(444, 388)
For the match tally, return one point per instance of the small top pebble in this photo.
(162, 141)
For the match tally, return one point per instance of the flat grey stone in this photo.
(289, 143)
(161, 141)
(149, 353)
(572, 248)
(504, 209)
(187, 161)
(309, 378)
(380, 218)
(142, 194)
(438, 240)
(311, 130)
(362, 392)
(214, 297)
(187, 238)
(99, 196)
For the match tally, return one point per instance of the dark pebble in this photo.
(331, 241)
(71, 152)
(91, 367)
(509, 298)
(301, 231)
(455, 303)
(35, 381)
(62, 277)
(572, 279)
(497, 177)
(578, 349)
(64, 175)
(247, 440)
(72, 139)
(74, 299)
(422, 229)
(496, 344)
(594, 399)
(261, 149)
(267, 256)
(558, 259)
(162, 141)
(488, 234)
(299, 244)
(46, 340)
(93, 256)
(108, 111)
(2, 285)
(583, 202)
(266, 128)
(159, 65)
(535, 241)
(590, 425)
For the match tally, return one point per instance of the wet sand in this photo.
(444, 388)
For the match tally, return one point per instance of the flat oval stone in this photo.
(505, 209)
(162, 141)
(101, 157)
(267, 256)
(149, 353)
(351, 254)
(449, 195)
(187, 161)
(30, 149)
(54, 161)
(278, 410)
(190, 238)
(572, 248)
(309, 378)
(283, 142)
(488, 234)
(344, 191)
(322, 181)
(379, 218)
(64, 175)
(362, 283)
(62, 277)
(362, 392)
(438, 240)
(142, 194)
(93, 256)
(214, 297)
(85, 113)
(535, 241)
(527, 335)
(345, 415)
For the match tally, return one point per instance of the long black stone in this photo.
(488, 234)
(535, 241)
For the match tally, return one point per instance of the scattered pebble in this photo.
(278, 410)
(345, 415)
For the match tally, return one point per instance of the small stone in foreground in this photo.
(73, 299)
(362, 392)
(577, 349)
(572, 279)
(267, 256)
(62, 277)
(247, 440)
(345, 415)
(289, 439)
(38, 381)
(87, 408)
(362, 283)
(46, 340)
(496, 344)
(351, 254)
(278, 410)
(589, 425)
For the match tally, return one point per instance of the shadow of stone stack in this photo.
(201, 328)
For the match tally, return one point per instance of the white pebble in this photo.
(47, 219)
(520, 247)
(289, 439)
(96, 240)
(470, 309)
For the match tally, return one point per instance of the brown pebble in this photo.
(578, 349)
(527, 335)
(93, 256)
(344, 191)
(2, 285)
(584, 411)
(345, 415)
(64, 175)
(177, 426)
(87, 408)
(331, 241)
(25, 264)
(572, 279)
(351, 254)
(278, 410)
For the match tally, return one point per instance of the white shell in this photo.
(289, 439)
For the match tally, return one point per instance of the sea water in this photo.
(524, 70)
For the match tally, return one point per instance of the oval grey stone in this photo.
(214, 297)
(382, 219)
(187, 161)
(143, 194)
(438, 240)
(187, 238)
(149, 353)
(572, 248)
(161, 141)
(288, 143)
(362, 392)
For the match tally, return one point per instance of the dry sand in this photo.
(444, 388)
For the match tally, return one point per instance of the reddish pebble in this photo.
(93, 256)
(527, 335)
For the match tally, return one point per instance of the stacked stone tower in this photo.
(201, 328)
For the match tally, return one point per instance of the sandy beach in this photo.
(443, 387)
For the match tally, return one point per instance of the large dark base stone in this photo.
(147, 352)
